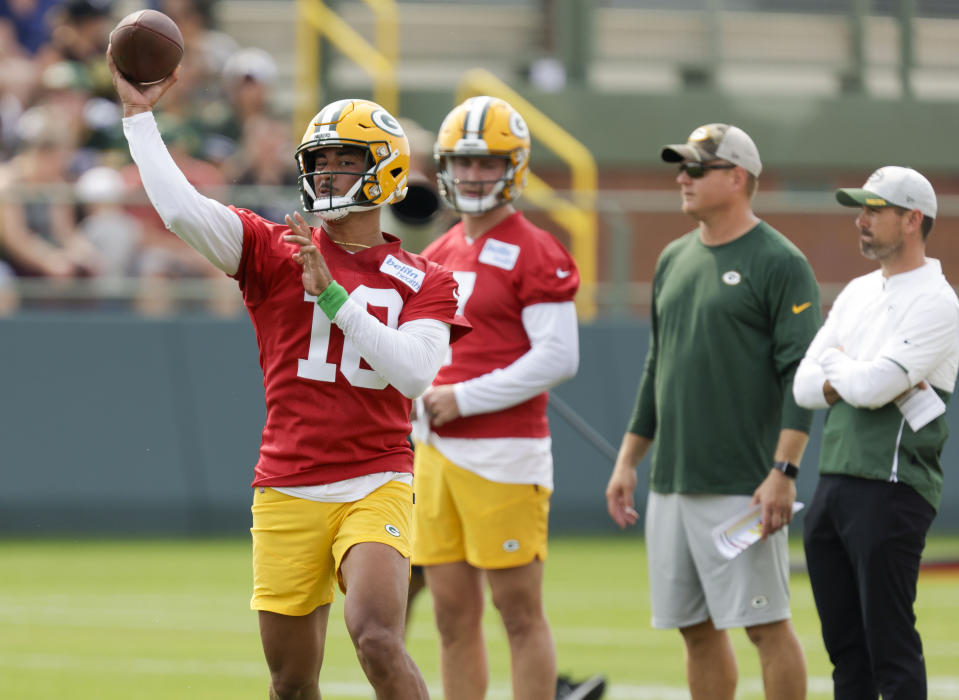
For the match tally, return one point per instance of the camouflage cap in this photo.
(717, 142)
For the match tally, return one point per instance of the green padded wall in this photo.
(114, 424)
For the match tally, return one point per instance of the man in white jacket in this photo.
(885, 363)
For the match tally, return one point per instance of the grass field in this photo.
(170, 620)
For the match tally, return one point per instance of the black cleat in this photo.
(590, 689)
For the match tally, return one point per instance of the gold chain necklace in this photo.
(358, 245)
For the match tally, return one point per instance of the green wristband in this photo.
(332, 298)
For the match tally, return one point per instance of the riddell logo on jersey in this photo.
(407, 274)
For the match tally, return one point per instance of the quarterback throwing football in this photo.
(350, 328)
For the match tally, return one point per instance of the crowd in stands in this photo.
(71, 205)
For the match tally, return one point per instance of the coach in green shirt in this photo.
(735, 305)
(885, 364)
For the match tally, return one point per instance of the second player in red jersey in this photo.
(484, 466)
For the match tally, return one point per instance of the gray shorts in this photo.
(690, 581)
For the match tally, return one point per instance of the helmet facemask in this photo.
(328, 205)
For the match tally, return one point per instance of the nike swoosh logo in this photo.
(799, 308)
(563, 274)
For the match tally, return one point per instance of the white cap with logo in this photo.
(892, 185)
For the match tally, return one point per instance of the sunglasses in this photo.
(698, 170)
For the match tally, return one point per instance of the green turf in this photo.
(163, 620)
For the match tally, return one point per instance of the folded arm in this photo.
(810, 389)
(863, 383)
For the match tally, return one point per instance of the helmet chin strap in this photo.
(330, 215)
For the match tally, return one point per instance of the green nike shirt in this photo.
(730, 323)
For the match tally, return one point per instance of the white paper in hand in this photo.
(921, 406)
(743, 529)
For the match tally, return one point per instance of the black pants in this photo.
(863, 540)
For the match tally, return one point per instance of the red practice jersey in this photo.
(510, 267)
(329, 416)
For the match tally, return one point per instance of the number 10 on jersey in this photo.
(317, 367)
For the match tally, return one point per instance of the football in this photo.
(146, 46)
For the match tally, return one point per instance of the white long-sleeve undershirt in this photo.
(208, 226)
(407, 357)
(553, 358)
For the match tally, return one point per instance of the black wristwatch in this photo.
(787, 468)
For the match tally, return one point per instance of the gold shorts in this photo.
(460, 516)
(299, 545)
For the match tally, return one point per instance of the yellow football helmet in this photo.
(483, 126)
(355, 124)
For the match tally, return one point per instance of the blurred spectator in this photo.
(196, 20)
(80, 33)
(18, 72)
(265, 159)
(80, 30)
(192, 84)
(200, 88)
(248, 76)
(38, 232)
(9, 299)
(194, 17)
(65, 88)
(27, 22)
(113, 231)
(93, 122)
(18, 79)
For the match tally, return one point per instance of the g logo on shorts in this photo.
(510, 545)
(393, 530)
